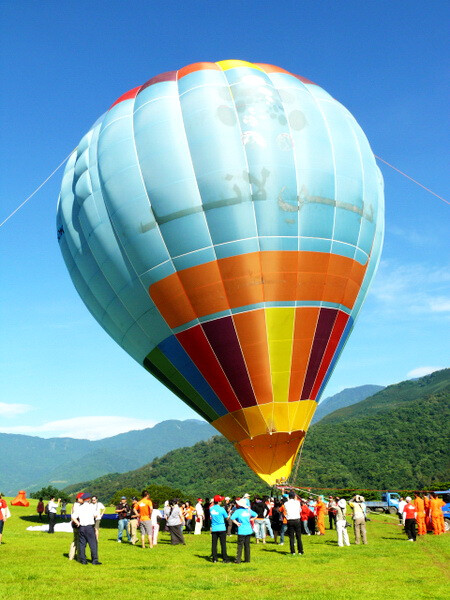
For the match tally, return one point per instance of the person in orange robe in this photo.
(320, 513)
(420, 519)
(436, 511)
(441, 503)
(426, 501)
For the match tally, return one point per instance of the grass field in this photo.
(34, 565)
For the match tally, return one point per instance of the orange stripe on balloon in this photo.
(304, 330)
(256, 277)
(252, 334)
(199, 66)
(205, 288)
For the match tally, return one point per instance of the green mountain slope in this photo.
(397, 444)
(394, 395)
(345, 398)
(36, 462)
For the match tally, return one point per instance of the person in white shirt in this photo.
(199, 517)
(52, 510)
(341, 523)
(292, 510)
(84, 516)
(155, 523)
(100, 511)
(401, 506)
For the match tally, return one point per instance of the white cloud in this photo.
(413, 289)
(422, 371)
(91, 428)
(440, 305)
(12, 410)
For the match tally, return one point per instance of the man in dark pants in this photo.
(219, 517)
(409, 519)
(294, 526)
(84, 516)
(52, 510)
(241, 518)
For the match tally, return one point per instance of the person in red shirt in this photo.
(304, 515)
(3, 506)
(409, 519)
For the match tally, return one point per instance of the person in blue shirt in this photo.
(219, 518)
(241, 518)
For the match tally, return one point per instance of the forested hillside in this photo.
(402, 443)
(345, 398)
(35, 462)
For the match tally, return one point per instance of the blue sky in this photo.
(63, 64)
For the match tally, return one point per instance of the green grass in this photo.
(33, 565)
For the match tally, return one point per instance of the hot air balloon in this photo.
(222, 223)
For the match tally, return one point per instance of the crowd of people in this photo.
(288, 516)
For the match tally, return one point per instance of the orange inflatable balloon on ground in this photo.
(222, 223)
(20, 499)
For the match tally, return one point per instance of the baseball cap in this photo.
(218, 498)
(123, 498)
(79, 495)
(86, 496)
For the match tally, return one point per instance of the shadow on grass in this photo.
(206, 557)
(275, 551)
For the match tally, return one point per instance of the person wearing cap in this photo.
(246, 498)
(74, 551)
(359, 519)
(241, 518)
(219, 518)
(409, 519)
(84, 516)
(199, 517)
(123, 513)
(341, 523)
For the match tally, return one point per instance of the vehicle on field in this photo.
(388, 503)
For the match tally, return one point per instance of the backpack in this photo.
(46, 510)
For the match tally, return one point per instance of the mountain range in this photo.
(36, 462)
(345, 398)
(32, 462)
(397, 438)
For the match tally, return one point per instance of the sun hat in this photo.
(242, 503)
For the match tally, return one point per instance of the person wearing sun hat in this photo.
(241, 518)
(219, 518)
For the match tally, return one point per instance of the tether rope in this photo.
(36, 190)
(414, 180)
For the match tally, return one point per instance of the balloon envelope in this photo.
(222, 223)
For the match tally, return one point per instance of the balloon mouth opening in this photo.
(271, 455)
